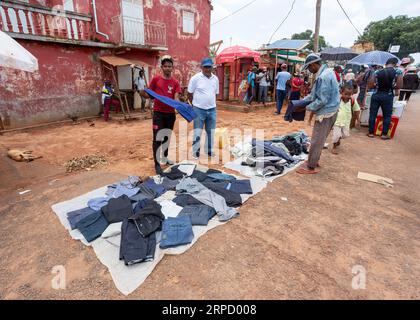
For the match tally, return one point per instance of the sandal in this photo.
(306, 170)
(370, 135)
(385, 138)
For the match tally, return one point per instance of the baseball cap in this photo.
(312, 58)
(207, 62)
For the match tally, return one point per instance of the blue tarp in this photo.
(185, 110)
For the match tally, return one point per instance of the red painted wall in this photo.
(70, 77)
(67, 82)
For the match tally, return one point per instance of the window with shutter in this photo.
(188, 22)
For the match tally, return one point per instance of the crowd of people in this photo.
(335, 99)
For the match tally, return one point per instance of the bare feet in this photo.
(334, 151)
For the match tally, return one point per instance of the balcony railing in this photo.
(144, 32)
(155, 34)
(36, 20)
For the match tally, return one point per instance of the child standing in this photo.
(348, 106)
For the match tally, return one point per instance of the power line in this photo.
(349, 18)
(248, 4)
(284, 20)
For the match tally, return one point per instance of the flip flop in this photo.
(306, 171)
(317, 165)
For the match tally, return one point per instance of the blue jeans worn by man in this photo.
(281, 95)
(262, 95)
(205, 118)
(385, 101)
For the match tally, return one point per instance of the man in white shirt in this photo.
(202, 90)
(140, 84)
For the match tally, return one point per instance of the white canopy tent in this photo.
(13, 55)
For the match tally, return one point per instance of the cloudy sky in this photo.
(255, 24)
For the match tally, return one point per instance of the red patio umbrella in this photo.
(232, 53)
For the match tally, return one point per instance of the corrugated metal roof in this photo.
(288, 44)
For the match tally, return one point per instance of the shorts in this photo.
(340, 133)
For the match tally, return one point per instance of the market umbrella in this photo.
(338, 54)
(232, 53)
(373, 58)
(13, 55)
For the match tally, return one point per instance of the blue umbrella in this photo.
(373, 58)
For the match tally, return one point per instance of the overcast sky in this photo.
(254, 25)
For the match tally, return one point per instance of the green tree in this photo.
(399, 30)
(309, 35)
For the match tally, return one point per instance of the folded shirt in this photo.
(118, 209)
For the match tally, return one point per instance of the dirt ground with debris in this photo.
(303, 248)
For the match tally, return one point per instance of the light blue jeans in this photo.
(205, 118)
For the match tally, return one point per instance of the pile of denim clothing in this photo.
(271, 157)
(160, 211)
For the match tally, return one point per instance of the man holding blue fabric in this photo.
(163, 115)
(202, 90)
(324, 102)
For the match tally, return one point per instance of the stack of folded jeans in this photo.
(92, 226)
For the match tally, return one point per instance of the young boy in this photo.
(348, 106)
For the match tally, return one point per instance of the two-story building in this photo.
(74, 41)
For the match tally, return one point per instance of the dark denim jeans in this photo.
(281, 95)
(92, 226)
(385, 101)
(176, 231)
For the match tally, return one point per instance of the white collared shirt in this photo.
(204, 91)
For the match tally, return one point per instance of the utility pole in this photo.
(317, 25)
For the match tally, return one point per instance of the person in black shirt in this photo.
(386, 81)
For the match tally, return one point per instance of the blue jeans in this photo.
(385, 101)
(262, 96)
(204, 118)
(176, 232)
(281, 95)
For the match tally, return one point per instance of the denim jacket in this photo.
(325, 95)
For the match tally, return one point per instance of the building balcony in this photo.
(36, 22)
(39, 22)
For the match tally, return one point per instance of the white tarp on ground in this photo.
(129, 278)
(13, 55)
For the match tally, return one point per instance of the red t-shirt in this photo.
(298, 82)
(167, 88)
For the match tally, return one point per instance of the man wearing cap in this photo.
(324, 103)
(202, 90)
(163, 115)
(282, 79)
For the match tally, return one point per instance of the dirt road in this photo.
(305, 248)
